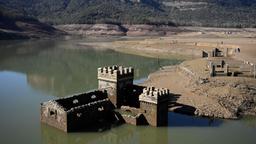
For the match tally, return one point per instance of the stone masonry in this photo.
(154, 105)
(114, 79)
(78, 112)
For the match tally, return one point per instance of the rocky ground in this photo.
(195, 93)
(118, 30)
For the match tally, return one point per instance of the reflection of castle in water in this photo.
(41, 82)
(135, 104)
(66, 68)
(120, 135)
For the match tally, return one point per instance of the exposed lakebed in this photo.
(32, 72)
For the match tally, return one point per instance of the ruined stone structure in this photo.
(152, 110)
(204, 54)
(216, 52)
(225, 67)
(115, 79)
(154, 105)
(132, 115)
(143, 105)
(78, 112)
(218, 67)
(116, 100)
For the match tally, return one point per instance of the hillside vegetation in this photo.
(218, 13)
(15, 25)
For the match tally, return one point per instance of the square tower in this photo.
(115, 79)
(154, 105)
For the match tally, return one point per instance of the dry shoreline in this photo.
(219, 97)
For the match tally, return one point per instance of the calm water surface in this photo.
(32, 72)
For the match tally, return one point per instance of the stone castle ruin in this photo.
(117, 100)
(154, 105)
(219, 52)
(78, 112)
(115, 80)
(227, 67)
(220, 65)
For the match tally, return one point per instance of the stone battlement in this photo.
(154, 95)
(115, 72)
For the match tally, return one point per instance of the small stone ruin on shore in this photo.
(221, 64)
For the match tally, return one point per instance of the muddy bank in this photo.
(186, 44)
(197, 94)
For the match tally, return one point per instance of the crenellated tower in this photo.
(115, 79)
(154, 105)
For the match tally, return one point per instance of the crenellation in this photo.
(154, 95)
(115, 72)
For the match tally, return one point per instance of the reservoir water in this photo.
(32, 72)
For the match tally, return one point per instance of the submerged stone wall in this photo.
(154, 105)
(90, 111)
(132, 115)
(91, 117)
(54, 115)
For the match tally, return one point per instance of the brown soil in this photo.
(205, 99)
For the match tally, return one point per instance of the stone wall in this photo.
(54, 115)
(162, 114)
(110, 87)
(91, 117)
(154, 105)
(91, 110)
(138, 120)
(132, 115)
(149, 110)
(219, 52)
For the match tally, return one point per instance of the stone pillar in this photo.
(209, 54)
(254, 73)
(212, 70)
(226, 69)
(226, 52)
(222, 63)
(213, 53)
(253, 68)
